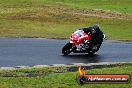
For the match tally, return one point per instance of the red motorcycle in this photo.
(79, 43)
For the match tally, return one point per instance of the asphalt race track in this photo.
(30, 52)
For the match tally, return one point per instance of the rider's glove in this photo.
(86, 41)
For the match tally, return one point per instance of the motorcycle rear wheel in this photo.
(67, 49)
(91, 52)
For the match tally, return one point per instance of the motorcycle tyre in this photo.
(67, 49)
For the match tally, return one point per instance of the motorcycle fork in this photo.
(73, 46)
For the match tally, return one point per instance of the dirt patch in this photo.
(63, 14)
(90, 13)
(103, 14)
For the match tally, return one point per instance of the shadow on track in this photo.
(86, 58)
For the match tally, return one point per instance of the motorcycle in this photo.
(79, 43)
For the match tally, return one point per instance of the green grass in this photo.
(50, 78)
(58, 18)
(123, 6)
(116, 5)
(117, 29)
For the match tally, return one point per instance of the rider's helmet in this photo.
(93, 31)
(96, 26)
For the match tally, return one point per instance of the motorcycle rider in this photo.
(95, 33)
(84, 40)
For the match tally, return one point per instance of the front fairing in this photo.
(76, 36)
(79, 36)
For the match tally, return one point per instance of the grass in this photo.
(59, 18)
(116, 5)
(123, 6)
(57, 77)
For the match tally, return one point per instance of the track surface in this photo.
(30, 52)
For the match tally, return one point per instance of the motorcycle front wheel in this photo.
(67, 49)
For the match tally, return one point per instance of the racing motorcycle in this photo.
(79, 43)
